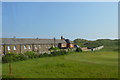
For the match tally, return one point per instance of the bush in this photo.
(36, 55)
(56, 53)
(78, 50)
(44, 55)
(30, 54)
(21, 57)
(50, 55)
(12, 57)
(54, 48)
(6, 59)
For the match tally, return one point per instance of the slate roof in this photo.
(30, 41)
(68, 41)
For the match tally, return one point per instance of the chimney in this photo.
(62, 38)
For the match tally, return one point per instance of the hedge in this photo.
(12, 57)
(78, 50)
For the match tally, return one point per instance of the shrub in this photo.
(56, 53)
(36, 55)
(53, 53)
(78, 50)
(63, 52)
(54, 48)
(30, 54)
(10, 57)
(50, 55)
(6, 59)
(44, 55)
(21, 57)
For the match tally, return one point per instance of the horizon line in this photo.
(59, 38)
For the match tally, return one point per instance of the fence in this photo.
(98, 48)
(92, 49)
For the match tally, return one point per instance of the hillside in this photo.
(109, 45)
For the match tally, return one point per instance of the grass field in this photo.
(98, 64)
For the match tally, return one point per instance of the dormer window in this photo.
(29, 47)
(25, 47)
(8, 47)
(14, 48)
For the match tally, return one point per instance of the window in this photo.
(35, 47)
(29, 47)
(25, 47)
(8, 47)
(14, 48)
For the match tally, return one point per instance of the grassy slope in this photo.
(110, 45)
(97, 64)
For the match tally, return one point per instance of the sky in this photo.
(86, 20)
(60, 0)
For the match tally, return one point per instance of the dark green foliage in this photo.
(12, 57)
(56, 53)
(54, 48)
(50, 55)
(7, 58)
(30, 54)
(44, 55)
(21, 57)
(78, 50)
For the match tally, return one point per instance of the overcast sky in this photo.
(88, 20)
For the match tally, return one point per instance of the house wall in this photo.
(12, 49)
(70, 45)
(40, 48)
(1, 49)
(25, 48)
(62, 46)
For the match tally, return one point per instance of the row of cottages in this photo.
(21, 45)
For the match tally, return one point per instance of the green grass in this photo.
(98, 64)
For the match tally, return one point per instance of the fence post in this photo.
(10, 68)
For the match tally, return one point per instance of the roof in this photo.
(68, 41)
(29, 41)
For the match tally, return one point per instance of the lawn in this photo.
(98, 64)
